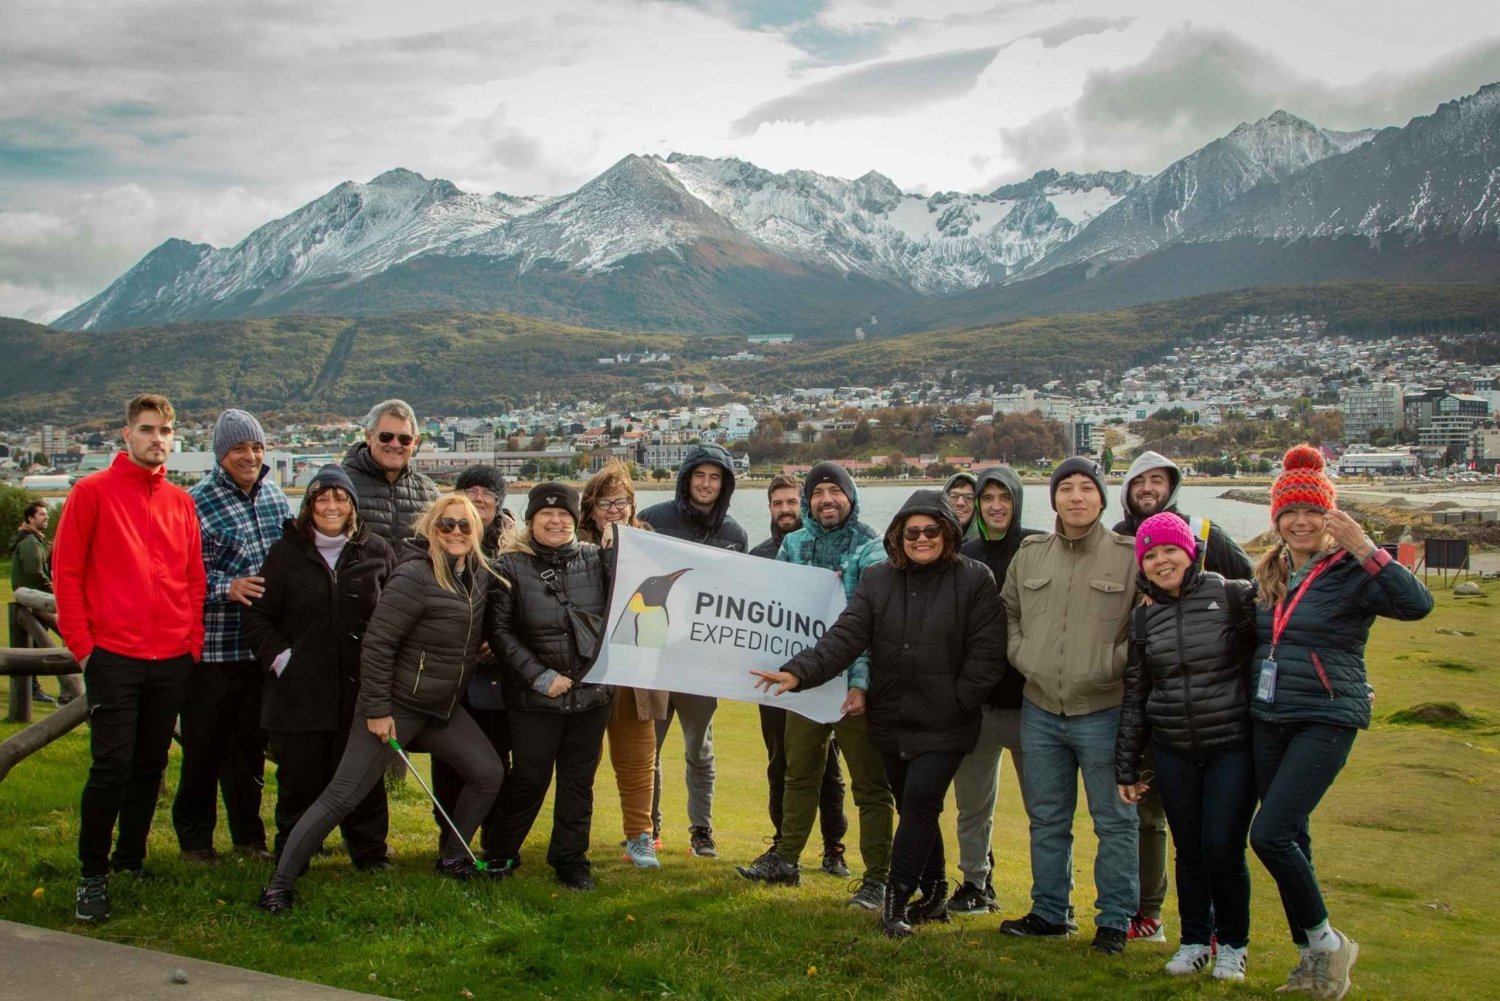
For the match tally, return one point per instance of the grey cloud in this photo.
(897, 85)
(1060, 34)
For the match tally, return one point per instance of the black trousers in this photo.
(544, 743)
(831, 818)
(133, 705)
(223, 750)
(447, 784)
(920, 785)
(306, 762)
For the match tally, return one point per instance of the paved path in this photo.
(38, 965)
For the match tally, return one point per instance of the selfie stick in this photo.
(479, 864)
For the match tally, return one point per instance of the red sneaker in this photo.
(1144, 929)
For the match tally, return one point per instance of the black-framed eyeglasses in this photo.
(618, 504)
(911, 533)
(386, 437)
(958, 497)
(447, 526)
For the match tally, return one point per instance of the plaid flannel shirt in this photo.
(238, 531)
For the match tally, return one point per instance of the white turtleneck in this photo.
(329, 547)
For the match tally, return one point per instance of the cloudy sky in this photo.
(124, 122)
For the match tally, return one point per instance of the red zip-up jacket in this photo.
(127, 567)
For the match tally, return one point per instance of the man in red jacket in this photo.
(127, 569)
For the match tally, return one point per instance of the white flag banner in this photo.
(693, 619)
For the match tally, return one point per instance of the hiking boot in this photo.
(870, 895)
(701, 842)
(461, 869)
(1330, 970)
(1144, 929)
(971, 899)
(200, 856)
(276, 901)
(1109, 941)
(255, 852)
(932, 905)
(771, 868)
(833, 861)
(640, 852)
(1033, 925)
(1189, 959)
(893, 917)
(576, 878)
(92, 900)
(1231, 963)
(1300, 979)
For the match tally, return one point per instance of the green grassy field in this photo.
(1406, 845)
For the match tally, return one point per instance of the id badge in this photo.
(1265, 686)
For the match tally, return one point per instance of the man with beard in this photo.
(1150, 487)
(785, 498)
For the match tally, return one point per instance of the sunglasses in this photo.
(386, 437)
(447, 526)
(619, 504)
(912, 533)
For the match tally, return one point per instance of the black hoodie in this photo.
(680, 520)
(997, 554)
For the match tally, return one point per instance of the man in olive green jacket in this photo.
(1067, 600)
(29, 568)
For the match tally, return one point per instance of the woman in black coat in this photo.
(419, 652)
(322, 580)
(931, 621)
(1186, 686)
(539, 626)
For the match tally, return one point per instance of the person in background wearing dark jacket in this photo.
(784, 495)
(931, 621)
(483, 697)
(1185, 687)
(698, 513)
(29, 567)
(1320, 591)
(418, 654)
(557, 723)
(128, 574)
(391, 494)
(322, 582)
(976, 787)
(1150, 487)
(609, 500)
(962, 490)
(241, 512)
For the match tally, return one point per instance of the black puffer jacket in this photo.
(422, 642)
(1187, 676)
(528, 626)
(997, 554)
(679, 519)
(936, 636)
(389, 508)
(320, 615)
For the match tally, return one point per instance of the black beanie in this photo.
(482, 476)
(1072, 467)
(828, 472)
(330, 476)
(552, 494)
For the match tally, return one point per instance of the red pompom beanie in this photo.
(1302, 482)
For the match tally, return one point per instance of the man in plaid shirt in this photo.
(241, 514)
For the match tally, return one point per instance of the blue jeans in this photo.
(1055, 749)
(1209, 800)
(1295, 764)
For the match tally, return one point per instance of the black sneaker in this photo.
(276, 901)
(772, 869)
(701, 843)
(92, 900)
(1033, 925)
(970, 899)
(932, 905)
(37, 695)
(833, 861)
(373, 865)
(576, 878)
(1110, 941)
(869, 895)
(460, 869)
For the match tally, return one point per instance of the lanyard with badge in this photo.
(1281, 613)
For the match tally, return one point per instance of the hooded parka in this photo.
(681, 520)
(1221, 555)
(997, 553)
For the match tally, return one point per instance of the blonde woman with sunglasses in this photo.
(419, 651)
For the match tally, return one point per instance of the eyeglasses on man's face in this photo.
(386, 437)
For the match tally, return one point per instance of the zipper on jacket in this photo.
(1317, 663)
(1182, 667)
(421, 666)
(468, 634)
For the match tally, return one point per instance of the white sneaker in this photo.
(1231, 963)
(1190, 959)
(641, 851)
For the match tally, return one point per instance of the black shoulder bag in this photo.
(586, 627)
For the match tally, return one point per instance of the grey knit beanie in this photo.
(233, 427)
